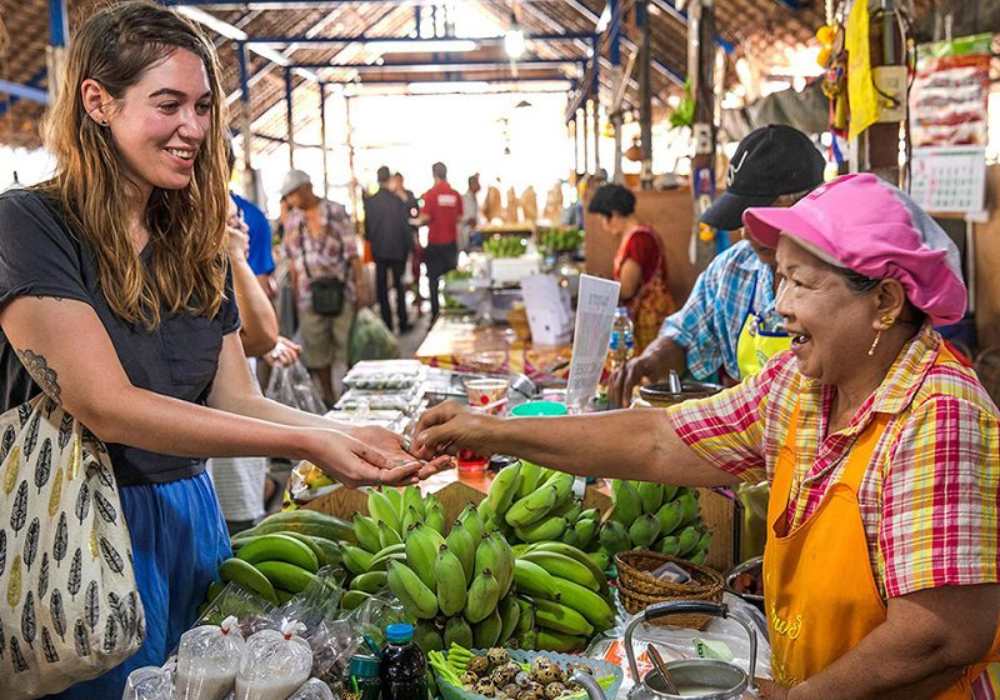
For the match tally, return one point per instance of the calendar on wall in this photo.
(949, 179)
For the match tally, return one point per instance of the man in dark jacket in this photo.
(388, 231)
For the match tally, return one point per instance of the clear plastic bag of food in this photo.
(149, 683)
(313, 689)
(372, 617)
(333, 645)
(208, 659)
(274, 664)
(292, 386)
(236, 601)
(318, 602)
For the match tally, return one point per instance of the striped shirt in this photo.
(929, 500)
(329, 255)
(708, 326)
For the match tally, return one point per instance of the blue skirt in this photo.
(179, 538)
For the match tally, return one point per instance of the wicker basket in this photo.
(639, 589)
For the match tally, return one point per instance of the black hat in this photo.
(771, 161)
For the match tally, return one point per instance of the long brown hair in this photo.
(187, 269)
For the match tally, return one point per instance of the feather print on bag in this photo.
(31, 437)
(110, 636)
(55, 497)
(43, 467)
(48, 648)
(106, 477)
(31, 543)
(83, 502)
(19, 513)
(92, 606)
(65, 430)
(10, 472)
(14, 582)
(23, 413)
(58, 613)
(43, 576)
(81, 639)
(133, 613)
(3, 551)
(117, 606)
(7, 442)
(112, 557)
(105, 508)
(16, 657)
(62, 539)
(28, 621)
(75, 573)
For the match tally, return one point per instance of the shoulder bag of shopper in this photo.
(69, 607)
(327, 292)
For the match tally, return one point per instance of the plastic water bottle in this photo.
(622, 345)
(403, 666)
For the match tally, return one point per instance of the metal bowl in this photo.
(660, 395)
(754, 566)
(721, 681)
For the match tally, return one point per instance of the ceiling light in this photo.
(456, 86)
(513, 42)
(432, 46)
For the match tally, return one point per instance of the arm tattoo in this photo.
(40, 371)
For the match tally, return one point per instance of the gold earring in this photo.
(878, 337)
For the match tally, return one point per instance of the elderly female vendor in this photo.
(881, 564)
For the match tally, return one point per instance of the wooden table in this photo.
(457, 343)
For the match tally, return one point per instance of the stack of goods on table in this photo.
(383, 385)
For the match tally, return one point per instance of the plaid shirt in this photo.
(929, 500)
(708, 327)
(329, 255)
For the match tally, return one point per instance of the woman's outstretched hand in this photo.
(354, 462)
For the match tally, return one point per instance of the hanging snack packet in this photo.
(274, 664)
(207, 661)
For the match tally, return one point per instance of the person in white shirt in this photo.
(470, 214)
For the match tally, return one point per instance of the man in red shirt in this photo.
(441, 212)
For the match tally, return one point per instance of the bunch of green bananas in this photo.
(529, 503)
(278, 565)
(567, 594)
(559, 240)
(505, 246)
(657, 517)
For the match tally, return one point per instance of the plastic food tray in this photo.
(601, 669)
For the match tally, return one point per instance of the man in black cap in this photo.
(729, 322)
(388, 231)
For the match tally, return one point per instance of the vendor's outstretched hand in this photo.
(447, 428)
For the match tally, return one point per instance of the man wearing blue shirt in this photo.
(729, 322)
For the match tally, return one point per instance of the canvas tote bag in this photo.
(69, 608)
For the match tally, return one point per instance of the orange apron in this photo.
(820, 593)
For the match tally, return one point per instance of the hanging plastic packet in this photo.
(313, 689)
(149, 683)
(274, 664)
(207, 661)
(333, 645)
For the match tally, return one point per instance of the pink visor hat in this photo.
(864, 224)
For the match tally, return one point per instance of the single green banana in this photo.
(380, 561)
(569, 537)
(486, 632)
(593, 607)
(412, 498)
(585, 531)
(590, 514)
(283, 596)
(427, 637)
(565, 567)
(561, 618)
(435, 520)
(580, 556)
(353, 599)
(530, 478)
(510, 615)
(366, 530)
(532, 579)
(505, 563)
(484, 593)
(486, 556)
(699, 557)
(570, 510)
(381, 509)
(395, 497)
(450, 581)
(600, 558)
(644, 531)
(280, 548)
(250, 577)
(669, 492)
(504, 489)
(671, 516)
(416, 597)
(357, 560)
(614, 537)
(691, 509)
(651, 496)
(550, 640)
(469, 517)
(281, 574)
(422, 547)
(460, 542)
(688, 540)
(669, 546)
(526, 621)
(410, 519)
(369, 582)
(326, 551)
(387, 536)
(705, 543)
(551, 528)
(532, 507)
(458, 631)
(628, 505)
(564, 487)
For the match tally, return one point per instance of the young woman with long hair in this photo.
(116, 301)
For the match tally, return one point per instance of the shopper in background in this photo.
(729, 322)
(387, 229)
(398, 186)
(640, 265)
(470, 214)
(441, 211)
(322, 251)
(116, 301)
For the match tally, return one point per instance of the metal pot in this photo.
(719, 679)
(663, 395)
(750, 566)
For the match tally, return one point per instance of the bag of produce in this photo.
(370, 339)
(529, 204)
(207, 661)
(333, 645)
(492, 209)
(512, 213)
(313, 689)
(150, 683)
(275, 664)
(292, 386)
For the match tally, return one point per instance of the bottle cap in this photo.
(364, 666)
(399, 633)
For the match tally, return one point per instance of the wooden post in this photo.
(701, 67)
(645, 94)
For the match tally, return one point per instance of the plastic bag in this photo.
(319, 602)
(333, 645)
(274, 665)
(370, 339)
(313, 689)
(207, 661)
(372, 617)
(238, 602)
(292, 386)
(149, 683)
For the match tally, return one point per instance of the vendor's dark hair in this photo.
(863, 284)
(612, 199)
